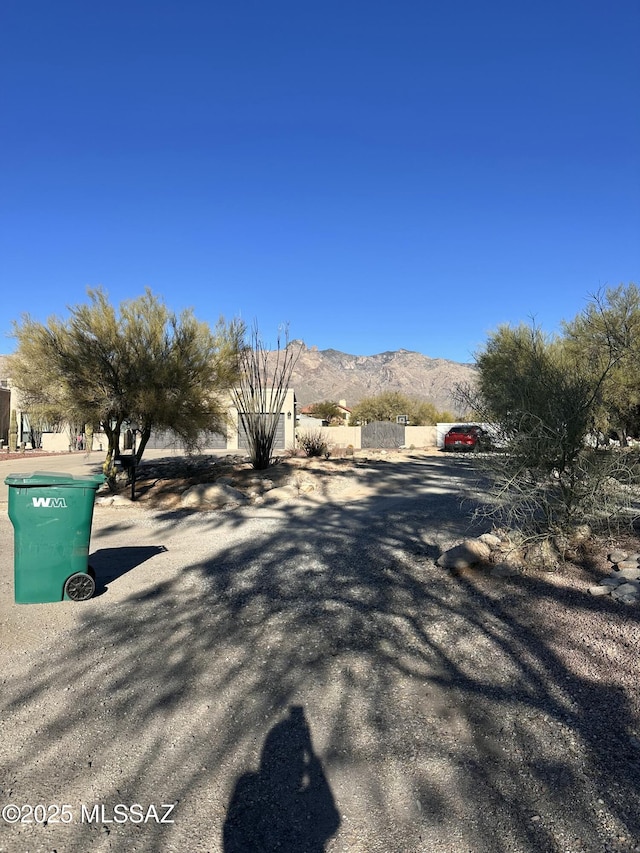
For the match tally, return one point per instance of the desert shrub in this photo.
(294, 451)
(313, 443)
(542, 400)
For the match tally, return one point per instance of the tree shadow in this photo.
(448, 712)
(287, 804)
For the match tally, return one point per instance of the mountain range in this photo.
(333, 375)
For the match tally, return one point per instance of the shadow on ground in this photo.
(287, 803)
(444, 712)
(109, 564)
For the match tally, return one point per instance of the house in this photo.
(5, 402)
(5, 414)
(29, 433)
(10, 400)
(346, 413)
(64, 439)
(235, 438)
(307, 413)
(307, 422)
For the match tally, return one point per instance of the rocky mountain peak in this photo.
(335, 375)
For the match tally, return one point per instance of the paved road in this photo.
(78, 464)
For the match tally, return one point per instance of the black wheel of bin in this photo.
(79, 587)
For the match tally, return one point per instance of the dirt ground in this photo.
(299, 674)
(160, 484)
(338, 479)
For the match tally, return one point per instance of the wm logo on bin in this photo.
(49, 502)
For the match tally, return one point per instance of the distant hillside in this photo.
(334, 375)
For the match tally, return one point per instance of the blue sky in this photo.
(380, 175)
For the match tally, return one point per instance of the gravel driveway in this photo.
(301, 677)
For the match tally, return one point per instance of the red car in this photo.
(466, 437)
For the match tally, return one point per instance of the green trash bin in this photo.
(51, 516)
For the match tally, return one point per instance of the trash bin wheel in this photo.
(79, 587)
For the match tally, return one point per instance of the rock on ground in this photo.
(213, 495)
(468, 553)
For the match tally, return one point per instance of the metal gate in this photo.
(243, 441)
(382, 434)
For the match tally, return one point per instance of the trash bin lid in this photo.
(53, 478)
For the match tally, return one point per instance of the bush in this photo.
(294, 452)
(313, 443)
(543, 402)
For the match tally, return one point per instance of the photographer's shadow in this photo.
(287, 805)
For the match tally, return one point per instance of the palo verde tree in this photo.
(140, 362)
(610, 323)
(542, 396)
(260, 392)
(327, 410)
(532, 387)
(391, 404)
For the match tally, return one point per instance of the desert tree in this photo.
(139, 362)
(391, 404)
(610, 326)
(381, 407)
(259, 394)
(327, 410)
(541, 396)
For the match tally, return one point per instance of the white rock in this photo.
(282, 493)
(468, 553)
(629, 574)
(617, 556)
(121, 500)
(264, 483)
(490, 539)
(211, 496)
(628, 565)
